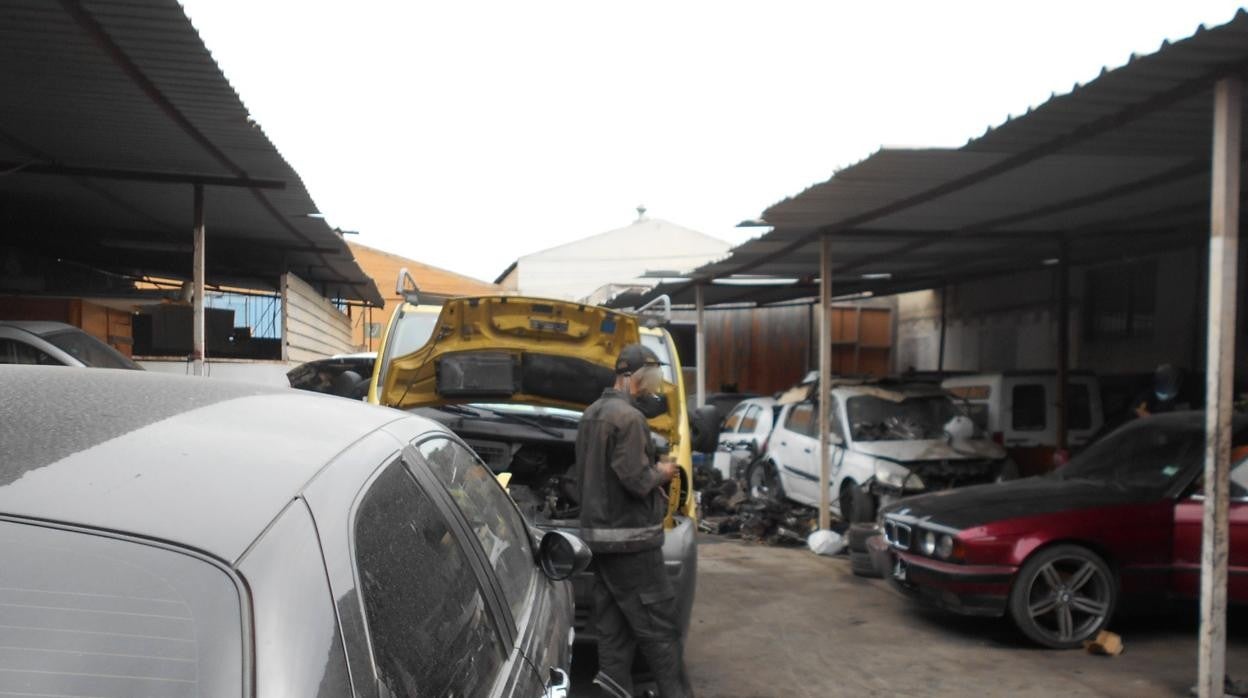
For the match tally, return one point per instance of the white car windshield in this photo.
(917, 418)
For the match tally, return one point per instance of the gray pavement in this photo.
(783, 622)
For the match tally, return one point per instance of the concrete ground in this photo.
(783, 622)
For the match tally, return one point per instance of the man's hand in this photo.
(667, 469)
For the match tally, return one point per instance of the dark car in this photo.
(172, 536)
(45, 343)
(1120, 524)
(344, 375)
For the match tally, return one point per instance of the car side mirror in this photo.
(563, 555)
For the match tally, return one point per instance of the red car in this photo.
(1120, 523)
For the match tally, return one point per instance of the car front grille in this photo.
(898, 535)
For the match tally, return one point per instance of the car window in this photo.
(1078, 406)
(85, 615)
(750, 421)
(1145, 454)
(493, 516)
(89, 350)
(431, 630)
(836, 420)
(734, 419)
(919, 417)
(801, 419)
(15, 352)
(1029, 412)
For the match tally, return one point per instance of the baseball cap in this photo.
(635, 357)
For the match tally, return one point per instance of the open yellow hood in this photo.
(512, 349)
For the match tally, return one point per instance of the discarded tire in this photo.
(858, 535)
(864, 506)
(704, 429)
(861, 565)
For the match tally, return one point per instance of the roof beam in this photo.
(1173, 174)
(1105, 123)
(47, 168)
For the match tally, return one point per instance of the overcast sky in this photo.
(465, 134)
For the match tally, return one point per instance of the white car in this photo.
(744, 434)
(1019, 410)
(891, 440)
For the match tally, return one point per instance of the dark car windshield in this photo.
(877, 419)
(88, 615)
(89, 350)
(1148, 454)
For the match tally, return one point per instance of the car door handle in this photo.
(559, 684)
(784, 443)
(806, 450)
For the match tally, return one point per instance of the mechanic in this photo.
(623, 502)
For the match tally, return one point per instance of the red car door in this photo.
(1188, 518)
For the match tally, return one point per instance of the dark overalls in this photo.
(622, 509)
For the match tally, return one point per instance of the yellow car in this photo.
(510, 376)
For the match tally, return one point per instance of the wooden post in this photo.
(1220, 379)
(197, 283)
(700, 344)
(825, 379)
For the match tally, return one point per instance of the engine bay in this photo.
(539, 451)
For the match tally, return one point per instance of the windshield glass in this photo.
(1146, 454)
(657, 344)
(89, 350)
(412, 331)
(877, 419)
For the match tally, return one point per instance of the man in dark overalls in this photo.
(623, 503)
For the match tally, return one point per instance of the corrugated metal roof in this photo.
(128, 85)
(1118, 164)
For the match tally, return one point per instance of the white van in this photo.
(1019, 410)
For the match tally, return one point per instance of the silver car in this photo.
(44, 343)
(172, 536)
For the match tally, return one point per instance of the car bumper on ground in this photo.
(680, 558)
(973, 590)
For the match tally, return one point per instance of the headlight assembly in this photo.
(944, 546)
(897, 475)
(928, 543)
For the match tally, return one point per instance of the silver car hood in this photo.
(931, 449)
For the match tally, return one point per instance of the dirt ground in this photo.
(783, 622)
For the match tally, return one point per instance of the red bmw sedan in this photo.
(1120, 524)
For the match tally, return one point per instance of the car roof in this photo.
(39, 327)
(891, 390)
(198, 462)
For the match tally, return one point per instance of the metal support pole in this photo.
(197, 277)
(1063, 341)
(825, 380)
(944, 320)
(1220, 372)
(700, 344)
